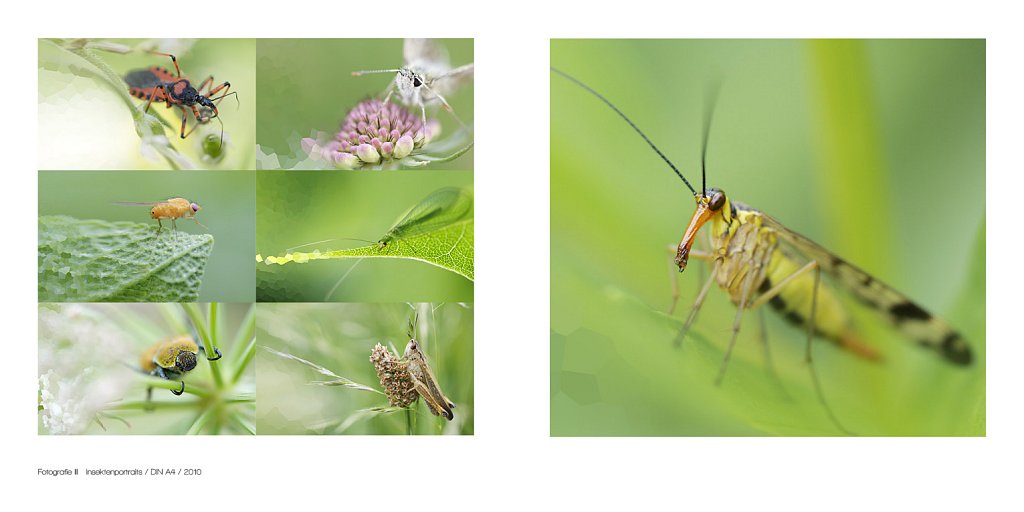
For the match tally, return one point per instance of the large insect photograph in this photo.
(768, 237)
(139, 104)
(365, 104)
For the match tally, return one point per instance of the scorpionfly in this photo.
(158, 84)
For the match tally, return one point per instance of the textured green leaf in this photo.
(100, 261)
(439, 231)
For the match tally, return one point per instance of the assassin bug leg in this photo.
(152, 95)
(173, 59)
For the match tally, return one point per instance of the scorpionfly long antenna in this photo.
(710, 101)
(623, 116)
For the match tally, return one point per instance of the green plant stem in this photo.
(212, 347)
(201, 421)
(192, 310)
(248, 354)
(245, 335)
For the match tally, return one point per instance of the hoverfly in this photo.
(171, 209)
(756, 260)
(426, 76)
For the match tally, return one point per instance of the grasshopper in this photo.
(425, 383)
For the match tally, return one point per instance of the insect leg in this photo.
(436, 406)
(747, 284)
(673, 273)
(807, 355)
(153, 95)
(207, 82)
(215, 350)
(777, 289)
(173, 59)
(160, 226)
(194, 219)
(226, 86)
(769, 363)
(184, 118)
(446, 106)
(696, 306)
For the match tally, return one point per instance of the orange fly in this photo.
(171, 209)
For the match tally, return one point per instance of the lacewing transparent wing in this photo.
(440, 208)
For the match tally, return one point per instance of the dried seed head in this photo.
(374, 133)
(394, 376)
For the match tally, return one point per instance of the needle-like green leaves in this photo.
(99, 261)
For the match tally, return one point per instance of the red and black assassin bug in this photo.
(158, 84)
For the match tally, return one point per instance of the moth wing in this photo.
(452, 80)
(425, 53)
(902, 312)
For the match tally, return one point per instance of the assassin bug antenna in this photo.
(628, 120)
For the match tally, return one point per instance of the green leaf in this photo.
(438, 230)
(100, 261)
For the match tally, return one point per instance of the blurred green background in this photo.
(227, 211)
(88, 360)
(306, 85)
(340, 337)
(300, 207)
(84, 125)
(874, 149)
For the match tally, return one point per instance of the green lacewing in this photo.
(441, 208)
